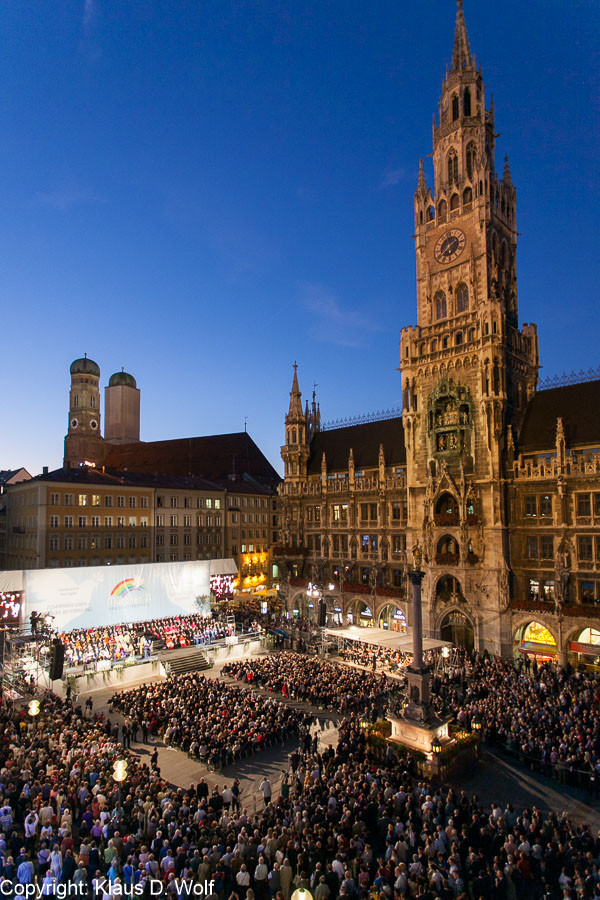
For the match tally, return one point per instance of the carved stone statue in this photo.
(417, 554)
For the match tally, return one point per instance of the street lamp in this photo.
(302, 894)
(436, 747)
(476, 724)
(119, 775)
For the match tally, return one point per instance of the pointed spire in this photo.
(421, 185)
(461, 55)
(507, 178)
(295, 410)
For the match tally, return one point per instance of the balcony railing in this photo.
(447, 559)
(449, 519)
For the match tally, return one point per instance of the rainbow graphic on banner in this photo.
(125, 587)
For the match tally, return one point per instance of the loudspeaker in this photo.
(322, 613)
(57, 659)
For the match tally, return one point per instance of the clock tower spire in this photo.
(467, 368)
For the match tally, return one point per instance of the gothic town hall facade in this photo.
(495, 480)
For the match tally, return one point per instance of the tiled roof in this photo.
(212, 456)
(364, 441)
(85, 475)
(579, 407)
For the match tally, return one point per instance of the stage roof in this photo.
(382, 637)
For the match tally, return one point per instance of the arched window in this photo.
(459, 338)
(503, 254)
(92, 402)
(430, 214)
(454, 202)
(462, 297)
(421, 217)
(455, 108)
(467, 102)
(441, 309)
(75, 400)
(452, 160)
(445, 342)
(434, 346)
(471, 334)
(293, 436)
(467, 196)
(442, 209)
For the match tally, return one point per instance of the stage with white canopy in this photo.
(382, 637)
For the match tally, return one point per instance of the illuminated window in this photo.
(82, 499)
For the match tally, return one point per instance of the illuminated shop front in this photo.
(584, 651)
(392, 618)
(361, 614)
(535, 640)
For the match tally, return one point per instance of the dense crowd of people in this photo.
(210, 719)
(549, 717)
(136, 639)
(343, 825)
(319, 682)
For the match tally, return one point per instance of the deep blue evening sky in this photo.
(204, 191)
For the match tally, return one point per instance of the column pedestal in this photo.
(417, 725)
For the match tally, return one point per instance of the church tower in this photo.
(83, 441)
(468, 370)
(295, 451)
(122, 409)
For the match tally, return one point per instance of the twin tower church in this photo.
(84, 442)
(496, 482)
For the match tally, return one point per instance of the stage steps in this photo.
(188, 659)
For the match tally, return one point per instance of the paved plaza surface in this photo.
(497, 778)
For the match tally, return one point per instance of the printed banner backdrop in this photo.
(107, 595)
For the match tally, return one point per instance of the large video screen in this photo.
(107, 595)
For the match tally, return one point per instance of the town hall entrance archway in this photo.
(458, 628)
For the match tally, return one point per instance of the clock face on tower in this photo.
(450, 245)
(74, 423)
